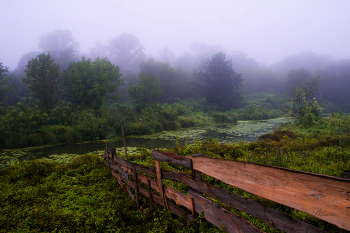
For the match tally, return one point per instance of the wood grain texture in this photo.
(163, 156)
(173, 208)
(272, 217)
(219, 216)
(115, 167)
(322, 196)
(177, 196)
(140, 168)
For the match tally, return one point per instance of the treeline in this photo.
(57, 95)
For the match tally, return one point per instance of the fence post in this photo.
(136, 188)
(160, 185)
(126, 153)
(345, 175)
(150, 194)
(198, 175)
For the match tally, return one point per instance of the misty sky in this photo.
(265, 30)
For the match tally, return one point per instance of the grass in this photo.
(81, 196)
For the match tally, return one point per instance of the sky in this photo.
(266, 30)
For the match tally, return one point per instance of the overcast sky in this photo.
(265, 30)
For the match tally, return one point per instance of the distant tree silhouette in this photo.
(219, 83)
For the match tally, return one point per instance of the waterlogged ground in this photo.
(247, 131)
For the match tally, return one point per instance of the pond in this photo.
(247, 131)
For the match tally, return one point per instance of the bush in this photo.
(35, 140)
(220, 117)
(186, 122)
(72, 136)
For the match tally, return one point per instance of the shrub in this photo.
(35, 140)
(72, 136)
(186, 122)
(220, 117)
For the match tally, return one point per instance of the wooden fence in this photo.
(325, 197)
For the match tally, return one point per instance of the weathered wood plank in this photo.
(322, 196)
(163, 156)
(219, 216)
(140, 168)
(115, 167)
(159, 180)
(178, 197)
(173, 208)
(142, 178)
(270, 216)
(274, 218)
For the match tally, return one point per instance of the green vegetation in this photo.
(81, 195)
(5, 85)
(89, 84)
(219, 83)
(43, 80)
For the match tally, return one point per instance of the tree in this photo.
(5, 85)
(218, 82)
(298, 79)
(43, 80)
(22, 63)
(62, 47)
(146, 92)
(175, 83)
(89, 84)
(335, 84)
(126, 51)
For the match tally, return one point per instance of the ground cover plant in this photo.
(43, 196)
(81, 196)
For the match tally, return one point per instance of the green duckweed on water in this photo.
(225, 133)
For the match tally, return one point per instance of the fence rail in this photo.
(324, 197)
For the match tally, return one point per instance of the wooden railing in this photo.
(325, 197)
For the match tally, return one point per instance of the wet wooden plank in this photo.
(115, 167)
(177, 196)
(140, 168)
(274, 218)
(163, 156)
(142, 178)
(219, 216)
(324, 197)
(173, 208)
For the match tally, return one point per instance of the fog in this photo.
(267, 31)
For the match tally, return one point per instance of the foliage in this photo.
(145, 92)
(43, 80)
(218, 82)
(300, 79)
(61, 46)
(5, 85)
(89, 83)
(175, 83)
(125, 51)
(79, 197)
(220, 117)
